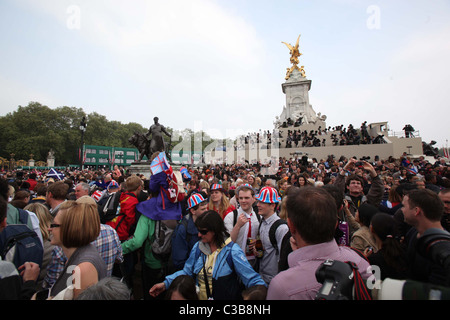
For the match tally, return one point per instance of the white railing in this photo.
(401, 134)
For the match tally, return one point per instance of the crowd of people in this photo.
(228, 232)
(327, 136)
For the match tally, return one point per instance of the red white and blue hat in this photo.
(113, 185)
(268, 195)
(97, 195)
(217, 186)
(195, 200)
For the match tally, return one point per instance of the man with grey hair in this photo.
(108, 288)
(82, 189)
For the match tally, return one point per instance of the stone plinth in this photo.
(142, 167)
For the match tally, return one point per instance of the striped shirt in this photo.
(107, 244)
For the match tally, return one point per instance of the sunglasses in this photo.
(203, 231)
(55, 225)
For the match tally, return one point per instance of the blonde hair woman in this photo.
(218, 201)
(45, 219)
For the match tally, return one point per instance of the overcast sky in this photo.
(219, 65)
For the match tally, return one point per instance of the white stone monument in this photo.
(51, 158)
(296, 88)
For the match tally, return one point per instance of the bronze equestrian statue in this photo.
(147, 147)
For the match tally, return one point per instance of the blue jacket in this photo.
(184, 238)
(230, 270)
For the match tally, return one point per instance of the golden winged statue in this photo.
(295, 54)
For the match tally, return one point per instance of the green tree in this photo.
(36, 128)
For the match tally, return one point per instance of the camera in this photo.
(337, 280)
(339, 284)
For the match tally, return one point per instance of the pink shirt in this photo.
(299, 281)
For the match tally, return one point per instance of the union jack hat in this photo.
(113, 184)
(268, 195)
(194, 200)
(217, 186)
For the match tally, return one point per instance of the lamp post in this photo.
(83, 126)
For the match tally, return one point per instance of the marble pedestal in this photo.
(143, 167)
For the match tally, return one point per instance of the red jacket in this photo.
(127, 216)
(32, 183)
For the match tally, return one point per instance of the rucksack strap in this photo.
(235, 215)
(272, 233)
(230, 263)
(23, 216)
(185, 223)
(360, 253)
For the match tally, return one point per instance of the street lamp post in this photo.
(83, 126)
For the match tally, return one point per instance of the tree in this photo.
(36, 128)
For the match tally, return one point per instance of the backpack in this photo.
(162, 239)
(176, 191)
(20, 244)
(235, 215)
(272, 231)
(109, 207)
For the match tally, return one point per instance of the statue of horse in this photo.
(142, 144)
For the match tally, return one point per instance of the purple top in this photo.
(299, 281)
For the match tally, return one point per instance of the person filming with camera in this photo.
(352, 185)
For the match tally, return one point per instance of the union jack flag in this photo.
(160, 164)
